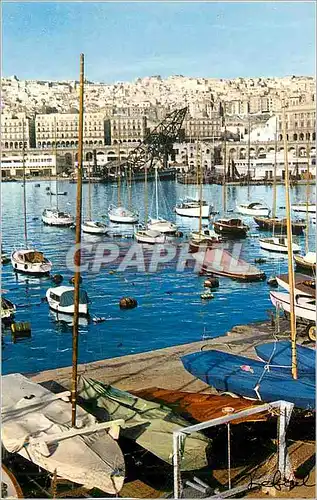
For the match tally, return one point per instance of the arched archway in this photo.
(301, 137)
(16, 145)
(307, 136)
(89, 156)
(68, 159)
(302, 152)
(295, 136)
(242, 154)
(232, 153)
(252, 152)
(280, 137)
(314, 136)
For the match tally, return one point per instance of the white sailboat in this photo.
(277, 244)
(304, 207)
(142, 234)
(158, 223)
(92, 226)
(307, 261)
(253, 209)
(53, 216)
(29, 260)
(194, 207)
(305, 306)
(118, 213)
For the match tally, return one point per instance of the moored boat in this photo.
(305, 306)
(304, 207)
(249, 378)
(191, 208)
(143, 235)
(55, 217)
(231, 228)
(122, 215)
(7, 309)
(36, 424)
(307, 262)
(277, 244)
(304, 284)
(30, 261)
(253, 209)
(61, 299)
(94, 227)
(279, 225)
(162, 226)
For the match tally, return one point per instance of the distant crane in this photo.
(157, 145)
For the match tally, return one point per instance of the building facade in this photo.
(17, 128)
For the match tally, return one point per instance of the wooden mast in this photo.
(89, 192)
(24, 185)
(307, 203)
(291, 278)
(77, 257)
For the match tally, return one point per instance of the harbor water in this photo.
(170, 309)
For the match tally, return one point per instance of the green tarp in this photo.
(150, 424)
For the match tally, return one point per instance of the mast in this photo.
(224, 187)
(145, 195)
(274, 178)
(130, 188)
(307, 203)
(24, 185)
(291, 279)
(249, 141)
(118, 170)
(55, 153)
(156, 191)
(77, 257)
(200, 189)
(89, 192)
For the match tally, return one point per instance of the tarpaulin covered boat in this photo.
(149, 424)
(250, 378)
(201, 407)
(280, 353)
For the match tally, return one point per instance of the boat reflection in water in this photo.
(67, 319)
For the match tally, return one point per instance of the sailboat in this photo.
(29, 260)
(118, 213)
(159, 224)
(194, 207)
(54, 216)
(307, 261)
(203, 238)
(49, 429)
(142, 233)
(275, 243)
(89, 225)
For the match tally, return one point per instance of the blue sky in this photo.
(127, 40)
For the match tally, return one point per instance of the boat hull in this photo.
(301, 263)
(162, 226)
(230, 231)
(270, 245)
(9, 484)
(279, 225)
(37, 269)
(92, 228)
(148, 236)
(253, 212)
(57, 307)
(249, 378)
(302, 208)
(51, 218)
(193, 212)
(302, 310)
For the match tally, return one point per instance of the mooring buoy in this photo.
(57, 279)
(128, 303)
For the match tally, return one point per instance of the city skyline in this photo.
(127, 40)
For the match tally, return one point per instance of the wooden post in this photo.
(291, 279)
(307, 202)
(77, 258)
(224, 188)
